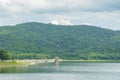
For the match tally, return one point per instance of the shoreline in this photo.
(26, 62)
(93, 61)
(41, 61)
(35, 61)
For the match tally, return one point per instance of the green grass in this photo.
(94, 61)
(13, 63)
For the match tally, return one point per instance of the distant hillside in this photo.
(69, 42)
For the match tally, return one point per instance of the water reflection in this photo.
(63, 67)
(13, 69)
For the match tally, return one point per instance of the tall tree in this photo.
(4, 55)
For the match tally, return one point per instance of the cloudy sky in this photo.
(102, 13)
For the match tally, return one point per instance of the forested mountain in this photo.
(68, 42)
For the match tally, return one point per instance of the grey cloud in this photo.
(60, 6)
(98, 12)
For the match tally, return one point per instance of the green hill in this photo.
(68, 42)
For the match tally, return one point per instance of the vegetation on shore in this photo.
(5, 58)
(4, 55)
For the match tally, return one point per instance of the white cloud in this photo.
(86, 23)
(61, 22)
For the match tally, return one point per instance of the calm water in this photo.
(65, 71)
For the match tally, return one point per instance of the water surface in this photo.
(65, 71)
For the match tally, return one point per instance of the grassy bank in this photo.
(93, 61)
(13, 63)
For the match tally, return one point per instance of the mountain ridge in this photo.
(65, 41)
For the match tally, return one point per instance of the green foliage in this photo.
(67, 42)
(29, 56)
(4, 55)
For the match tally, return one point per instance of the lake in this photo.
(65, 71)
